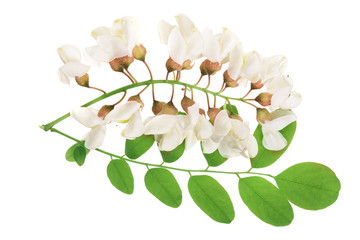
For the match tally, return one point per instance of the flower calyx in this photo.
(83, 80)
(212, 113)
(263, 115)
(209, 68)
(264, 99)
(139, 52)
(104, 110)
(136, 98)
(169, 108)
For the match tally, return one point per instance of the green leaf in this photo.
(228, 108)
(266, 201)
(162, 184)
(137, 147)
(211, 198)
(181, 113)
(172, 156)
(213, 159)
(77, 153)
(309, 185)
(266, 157)
(120, 176)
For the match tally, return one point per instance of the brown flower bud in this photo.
(212, 113)
(104, 110)
(209, 68)
(115, 65)
(126, 61)
(262, 115)
(257, 85)
(169, 108)
(187, 65)
(235, 116)
(229, 81)
(186, 103)
(171, 65)
(157, 107)
(139, 52)
(83, 80)
(136, 98)
(264, 99)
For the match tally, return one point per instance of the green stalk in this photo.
(48, 126)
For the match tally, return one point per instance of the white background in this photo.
(45, 197)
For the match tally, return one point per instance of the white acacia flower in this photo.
(273, 67)
(273, 139)
(115, 42)
(167, 130)
(184, 41)
(197, 127)
(122, 113)
(231, 137)
(71, 57)
(217, 48)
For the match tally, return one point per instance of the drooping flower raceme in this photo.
(72, 68)
(184, 41)
(231, 137)
(273, 139)
(89, 117)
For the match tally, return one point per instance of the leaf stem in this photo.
(161, 165)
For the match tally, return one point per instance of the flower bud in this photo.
(264, 99)
(229, 81)
(257, 85)
(212, 113)
(126, 61)
(104, 110)
(139, 52)
(209, 68)
(83, 80)
(235, 116)
(262, 115)
(169, 109)
(187, 65)
(186, 103)
(115, 65)
(136, 98)
(171, 65)
(157, 107)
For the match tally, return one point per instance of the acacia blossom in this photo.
(72, 68)
(231, 137)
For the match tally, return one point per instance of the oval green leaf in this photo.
(120, 176)
(162, 184)
(266, 157)
(214, 159)
(309, 185)
(211, 198)
(172, 156)
(266, 201)
(138, 146)
(77, 153)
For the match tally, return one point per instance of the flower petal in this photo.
(114, 46)
(87, 116)
(203, 129)
(235, 62)
(97, 54)
(95, 137)
(279, 97)
(252, 146)
(227, 42)
(123, 112)
(127, 28)
(222, 123)
(190, 139)
(252, 64)
(134, 128)
(193, 116)
(195, 45)
(274, 66)
(69, 53)
(279, 123)
(209, 146)
(172, 139)
(100, 31)
(240, 130)
(292, 101)
(211, 48)
(228, 147)
(164, 31)
(63, 77)
(278, 82)
(177, 46)
(160, 124)
(273, 140)
(186, 26)
(74, 69)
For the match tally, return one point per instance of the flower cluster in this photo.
(217, 129)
